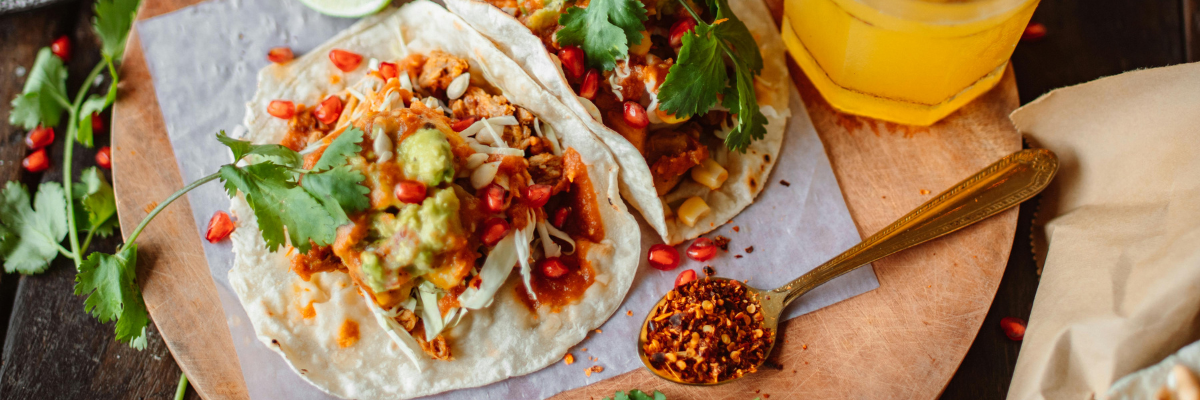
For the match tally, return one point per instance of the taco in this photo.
(691, 96)
(469, 173)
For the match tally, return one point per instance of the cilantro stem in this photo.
(63, 250)
(68, 154)
(183, 384)
(87, 242)
(138, 231)
(693, 12)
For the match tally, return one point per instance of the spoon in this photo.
(1002, 185)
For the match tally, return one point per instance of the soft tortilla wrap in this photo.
(490, 344)
(748, 171)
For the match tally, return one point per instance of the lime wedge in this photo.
(346, 8)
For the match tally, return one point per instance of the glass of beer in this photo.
(906, 61)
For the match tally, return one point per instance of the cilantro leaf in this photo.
(341, 149)
(44, 97)
(340, 185)
(740, 99)
(110, 282)
(637, 395)
(113, 20)
(603, 30)
(692, 84)
(278, 202)
(33, 236)
(96, 202)
(274, 153)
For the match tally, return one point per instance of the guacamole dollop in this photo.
(412, 239)
(427, 158)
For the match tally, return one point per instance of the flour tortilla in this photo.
(748, 171)
(489, 345)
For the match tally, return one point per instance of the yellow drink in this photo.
(906, 61)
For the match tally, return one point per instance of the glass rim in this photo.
(951, 11)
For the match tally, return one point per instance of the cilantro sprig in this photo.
(701, 75)
(692, 84)
(293, 205)
(603, 30)
(637, 395)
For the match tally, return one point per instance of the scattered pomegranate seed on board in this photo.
(104, 157)
(61, 47)
(36, 162)
(39, 137)
(663, 257)
(1013, 327)
(280, 55)
(219, 227)
(1034, 32)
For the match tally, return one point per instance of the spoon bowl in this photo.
(1002, 185)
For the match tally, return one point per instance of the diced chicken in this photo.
(439, 70)
(671, 153)
(547, 169)
(477, 103)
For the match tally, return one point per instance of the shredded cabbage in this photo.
(553, 138)
(496, 267)
(407, 344)
(523, 236)
(429, 310)
(562, 236)
(549, 248)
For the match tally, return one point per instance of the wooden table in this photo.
(54, 350)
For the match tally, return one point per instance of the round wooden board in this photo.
(903, 340)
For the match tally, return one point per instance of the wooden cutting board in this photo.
(903, 340)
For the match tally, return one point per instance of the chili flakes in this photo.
(707, 331)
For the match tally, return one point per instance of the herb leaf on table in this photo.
(34, 232)
(110, 282)
(44, 97)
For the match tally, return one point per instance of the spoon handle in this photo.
(1006, 183)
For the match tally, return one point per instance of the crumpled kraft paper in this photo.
(1121, 285)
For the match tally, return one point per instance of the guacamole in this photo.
(426, 158)
(411, 240)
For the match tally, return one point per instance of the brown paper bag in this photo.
(1121, 285)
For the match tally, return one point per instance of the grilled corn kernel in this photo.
(692, 210)
(642, 47)
(668, 118)
(710, 174)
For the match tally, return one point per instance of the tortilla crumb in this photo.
(594, 368)
(569, 359)
(629, 312)
(737, 228)
(805, 347)
(347, 334)
(599, 331)
(785, 183)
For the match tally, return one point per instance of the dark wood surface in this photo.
(53, 350)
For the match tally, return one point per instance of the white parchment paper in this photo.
(204, 59)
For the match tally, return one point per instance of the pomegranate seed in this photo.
(388, 70)
(281, 109)
(345, 60)
(560, 217)
(411, 192)
(39, 137)
(591, 82)
(572, 61)
(1013, 327)
(36, 162)
(537, 195)
(493, 198)
(329, 110)
(702, 249)
(280, 55)
(681, 27)
(552, 267)
(493, 230)
(61, 47)
(219, 227)
(1033, 32)
(104, 157)
(663, 257)
(97, 123)
(635, 115)
(684, 277)
(462, 124)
